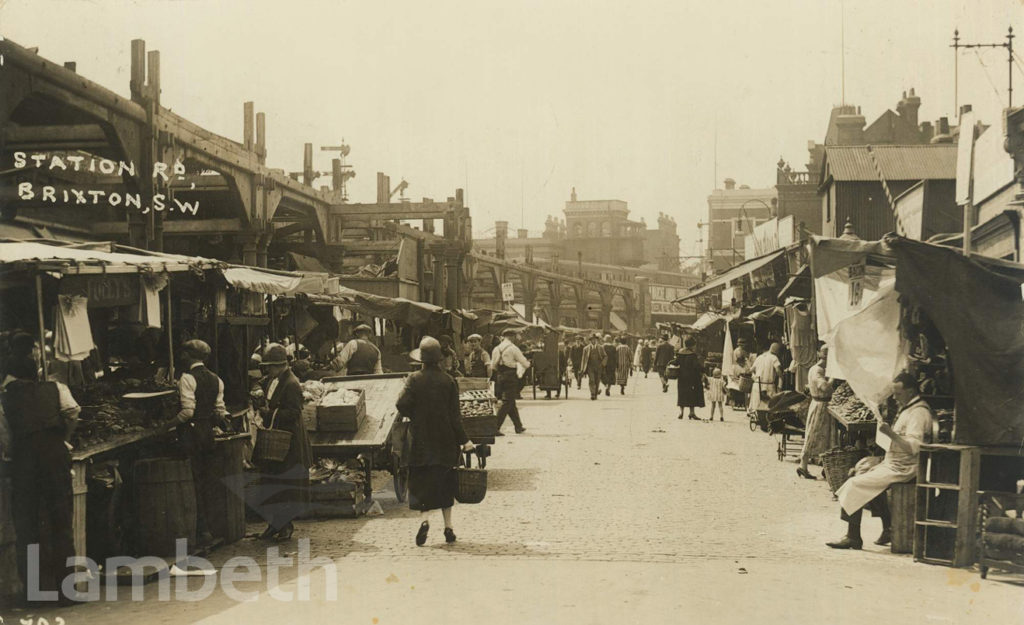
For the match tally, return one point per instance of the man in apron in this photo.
(201, 394)
(506, 361)
(477, 361)
(359, 356)
(912, 428)
(767, 370)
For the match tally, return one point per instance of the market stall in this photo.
(954, 322)
(111, 318)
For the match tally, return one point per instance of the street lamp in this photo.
(743, 214)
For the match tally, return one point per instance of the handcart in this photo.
(479, 417)
(372, 444)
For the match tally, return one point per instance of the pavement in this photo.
(607, 511)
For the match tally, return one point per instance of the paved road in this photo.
(602, 512)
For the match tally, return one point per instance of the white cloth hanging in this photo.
(72, 337)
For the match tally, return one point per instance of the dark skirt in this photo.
(431, 487)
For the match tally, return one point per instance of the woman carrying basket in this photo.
(285, 482)
(431, 402)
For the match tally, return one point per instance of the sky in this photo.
(517, 102)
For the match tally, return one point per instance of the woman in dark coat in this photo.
(285, 483)
(431, 402)
(689, 384)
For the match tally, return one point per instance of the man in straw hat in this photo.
(359, 356)
(504, 360)
(201, 394)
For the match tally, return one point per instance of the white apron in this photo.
(913, 424)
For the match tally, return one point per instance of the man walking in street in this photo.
(663, 355)
(611, 364)
(576, 359)
(504, 361)
(592, 363)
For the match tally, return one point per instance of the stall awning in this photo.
(799, 285)
(274, 283)
(733, 273)
(70, 259)
(416, 314)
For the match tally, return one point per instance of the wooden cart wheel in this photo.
(401, 479)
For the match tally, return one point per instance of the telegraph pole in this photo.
(956, 62)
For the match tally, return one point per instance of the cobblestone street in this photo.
(603, 512)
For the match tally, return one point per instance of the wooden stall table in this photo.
(851, 431)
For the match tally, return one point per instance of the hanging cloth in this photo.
(803, 340)
(72, 337)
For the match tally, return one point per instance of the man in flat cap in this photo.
(359, 356)
(477, 360)
(201, 394)
(506, 360)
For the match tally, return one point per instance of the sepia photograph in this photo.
(525, 312)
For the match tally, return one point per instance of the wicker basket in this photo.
(746, 383)
(471, 484)
(837, 464)
(272, 445)
(672, 372)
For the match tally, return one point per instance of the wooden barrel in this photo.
(10, 583)
(227, 520)
(165, 505)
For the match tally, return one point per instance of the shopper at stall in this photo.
(767, 371)
(819, 428)
(611, 364)
(359, 356)
(592, 364)
(740, 367)
(285, 483)
(624, 366)
(504, 362)
(41, 416)
(689, 384)
(663, 356)
(913, 427)
(201, 395)
(431, 402)
(576, 359)
(477, 360)
(302, 366)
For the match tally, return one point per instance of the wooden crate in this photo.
(331, 500)
(947, 505)
(902, 500)
(309, 416)
(342, 418)
(474, 384)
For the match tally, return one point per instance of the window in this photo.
(578, 230)
(606, 229)
(592, 229)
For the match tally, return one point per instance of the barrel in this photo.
(227, 514)
(10, 583)
(165, 505)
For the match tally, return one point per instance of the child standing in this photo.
(716, 394)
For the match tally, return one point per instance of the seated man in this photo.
(912, 428)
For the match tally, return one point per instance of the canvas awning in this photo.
(733, 273)
(274, 282)
(86, 259)
(417, 314)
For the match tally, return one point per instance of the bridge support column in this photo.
(606, 310)
(529, 295)
(582, 314)
(555, 303)
(453, 276)
(437, 255)
(643, 302)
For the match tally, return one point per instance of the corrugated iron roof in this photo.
(897, 162)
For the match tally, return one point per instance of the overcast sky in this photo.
(517, 102)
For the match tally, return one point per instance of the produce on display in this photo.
(106, 415)
(341, 397)
(847, 406)
(476, 407)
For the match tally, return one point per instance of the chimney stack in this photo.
(909, 107)
(522, 233)
(927, 131)
(850, 127)
(942, 131)
(730, 184)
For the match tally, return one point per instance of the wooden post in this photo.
(153, 76)
(170, 334)
(42, 325)
(261, 137)
(247, 125)
(307, 164)
(138, 75)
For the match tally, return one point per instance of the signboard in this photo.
(104, 291)
(507, 292)
(965, 158)
(856, 274)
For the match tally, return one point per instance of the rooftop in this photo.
(896, 162)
